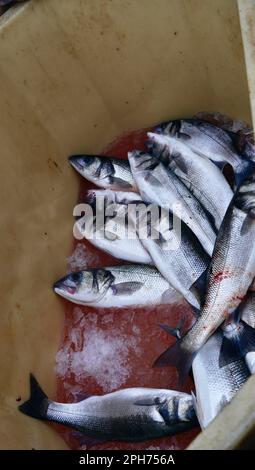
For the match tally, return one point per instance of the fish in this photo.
(230, 274)
(105, 172)
(132, 414)
(215, 386)
(199, 174)
(242, 325)
(159, 185)
(122, 243)
(117, 286)
(210, 141)
(183, 264)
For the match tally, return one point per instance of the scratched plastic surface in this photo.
(103, 350)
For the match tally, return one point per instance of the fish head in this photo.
(172, 152)
(177, 407)
(142, 161)
(92, 167)
(160, 147)
(186, 411)
(169, 128)
(85, 286)
(245, 197)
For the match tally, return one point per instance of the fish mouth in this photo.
(79, 162)
(68, 284)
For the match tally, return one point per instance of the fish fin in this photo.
(80, 396)
(221, 165)
(238, 345)
(176, 332)
(38, 402)
(86, 440)
(149, 401)
(126, 287)
(120, 183)
(169, 296)
(248, 222)
(176, 356)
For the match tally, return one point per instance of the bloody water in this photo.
(103, 350)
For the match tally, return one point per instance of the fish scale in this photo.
(215, 386)
(117, 286)
(210, 141)
(105, 172)
(231, 273)
(199, 174)
(134, 414)
(151, 176)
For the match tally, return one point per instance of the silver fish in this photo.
(122, 243)
(246, 312)
(182, 262)
(133, 414)
(159, 185)
(231, 273)
(117, 286)
(215, 386)
(105, 172)
(208, 140)
(199, 174)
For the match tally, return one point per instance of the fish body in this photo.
(133, 414)
(117, 286)
(105, 172)
(215, 386)
(247, 314)
(183, 264)
(231, 273)
(113, 235)
(199, 174)
(159, 185)
(207, 140)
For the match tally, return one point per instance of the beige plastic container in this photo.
(75, 74)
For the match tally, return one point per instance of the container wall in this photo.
(73, 75)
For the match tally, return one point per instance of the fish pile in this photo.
(182, 214)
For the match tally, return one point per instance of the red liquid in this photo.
(104, 350)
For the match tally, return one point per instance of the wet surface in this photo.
(103, 350)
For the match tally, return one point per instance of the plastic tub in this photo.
(80, 73)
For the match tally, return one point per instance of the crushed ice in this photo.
(91, 351)
(81, 258)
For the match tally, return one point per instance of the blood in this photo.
(220, 276)
(133, 334)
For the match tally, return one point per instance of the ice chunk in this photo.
(103, 354)
(81, 258)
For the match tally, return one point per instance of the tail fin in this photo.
(176, 356)
(237, 345)
(38, 402)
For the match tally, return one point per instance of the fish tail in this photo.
(178, 357)
(238, 345)
(38, 402)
